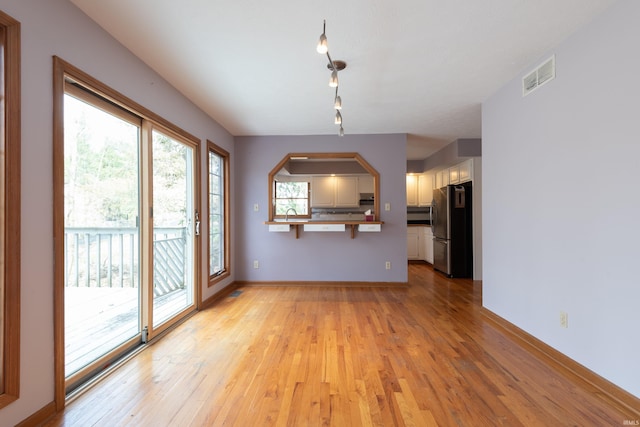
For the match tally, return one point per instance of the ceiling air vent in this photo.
(542, 74)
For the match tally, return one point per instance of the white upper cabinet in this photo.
(323, 192)
(347, 193)
(412, 190)
(419, 189)
(466, 170)
(442, 178)
(334, 191)
(365, 184)
(457, 174)
(454, 174)
(425, 189)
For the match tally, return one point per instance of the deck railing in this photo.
(108, 257)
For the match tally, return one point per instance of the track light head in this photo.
(337, 104)
(333, 81)
(322, 47)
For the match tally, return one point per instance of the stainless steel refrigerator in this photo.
(451, 224)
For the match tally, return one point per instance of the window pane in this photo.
(173, 230)
(292, 195)
(101, 200)
(216, 214)
(299, 205)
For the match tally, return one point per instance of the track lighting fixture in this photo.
(334, 66)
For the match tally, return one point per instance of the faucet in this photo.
(286, 214)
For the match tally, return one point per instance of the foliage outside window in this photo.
(9, 209)
(218, 213)
(292, 198)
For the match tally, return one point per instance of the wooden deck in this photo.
(98, 319)
(422, 355)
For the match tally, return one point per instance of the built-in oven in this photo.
(419, 215)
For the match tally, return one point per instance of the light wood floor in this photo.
(415, 356)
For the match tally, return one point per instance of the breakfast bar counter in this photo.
(324, 226)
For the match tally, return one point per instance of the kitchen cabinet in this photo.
(420, 244)
(456, 174)
(427, 244)
(334, 192)
(413, 243)
(442, 178)
(412, 190)
(425, 189)
(419, 190)
(365, 184)
(466, 170)
(323, 192)
(347, 193)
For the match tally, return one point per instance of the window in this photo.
(218, 213)
(292, 199)
(9, 209)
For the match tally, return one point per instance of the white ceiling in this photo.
(420, 67)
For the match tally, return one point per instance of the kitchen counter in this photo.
(296, 223)
(320, 221)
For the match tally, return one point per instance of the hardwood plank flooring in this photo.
(421, 355)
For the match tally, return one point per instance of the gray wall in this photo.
(320, 256)
(453, 153)
(561, 205)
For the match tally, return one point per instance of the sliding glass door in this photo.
(102, 232)
(174, 227)
(130, 230)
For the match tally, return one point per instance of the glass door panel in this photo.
(101, 211)
(173, 227)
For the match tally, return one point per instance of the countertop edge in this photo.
(322, 222)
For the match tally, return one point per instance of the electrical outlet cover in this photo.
(564, 319)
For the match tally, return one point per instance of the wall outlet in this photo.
(256, 207)
(256, 264)
(387, 207)
(564, 319)
(387, 265)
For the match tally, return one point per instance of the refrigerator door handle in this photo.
(432, 217)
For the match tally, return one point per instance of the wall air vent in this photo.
(542, 74)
